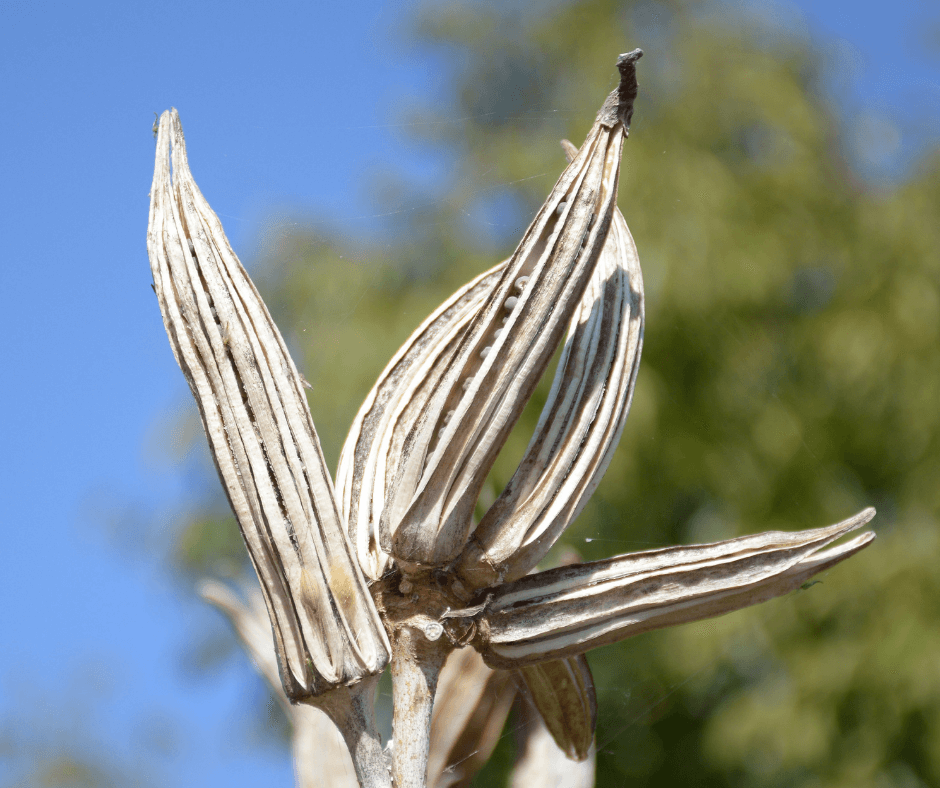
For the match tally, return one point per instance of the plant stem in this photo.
(416, 665)
(353, 711)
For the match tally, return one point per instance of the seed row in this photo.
(509, 305)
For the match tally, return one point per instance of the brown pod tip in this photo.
(618, 108)
(627, 91)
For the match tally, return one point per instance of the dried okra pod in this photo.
(326, 628)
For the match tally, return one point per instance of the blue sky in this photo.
(92, 633)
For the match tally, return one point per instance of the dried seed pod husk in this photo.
(470, 710)
(562, 690)
(579, 428)
(569, 610)
(250, 397)
(428, 512)
(373, 449)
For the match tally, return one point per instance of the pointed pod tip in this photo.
(176, 141)
(618, 108)
(627, 92)
(861, 518)
(164, 131)
(570, 150)
(166, 116)
(628, 60)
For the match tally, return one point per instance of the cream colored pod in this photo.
(572, 609)
(429, 432)
(327, 632)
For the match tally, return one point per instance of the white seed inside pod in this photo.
(511, 303)
(505, 320)
(561, 208)
(499, 331)
(521, 282)
(448, 416)
(486, 351)
(466, 383)
(433, 630)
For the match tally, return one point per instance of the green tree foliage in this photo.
(790, 374)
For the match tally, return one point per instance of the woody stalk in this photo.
(389, 566)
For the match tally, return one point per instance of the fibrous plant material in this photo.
(569, 610)
(394, 567)
(562, 692)
(470, 709)
(263, 441)
(468, 414)
(327, 632)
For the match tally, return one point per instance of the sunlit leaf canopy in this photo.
(790, 375)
